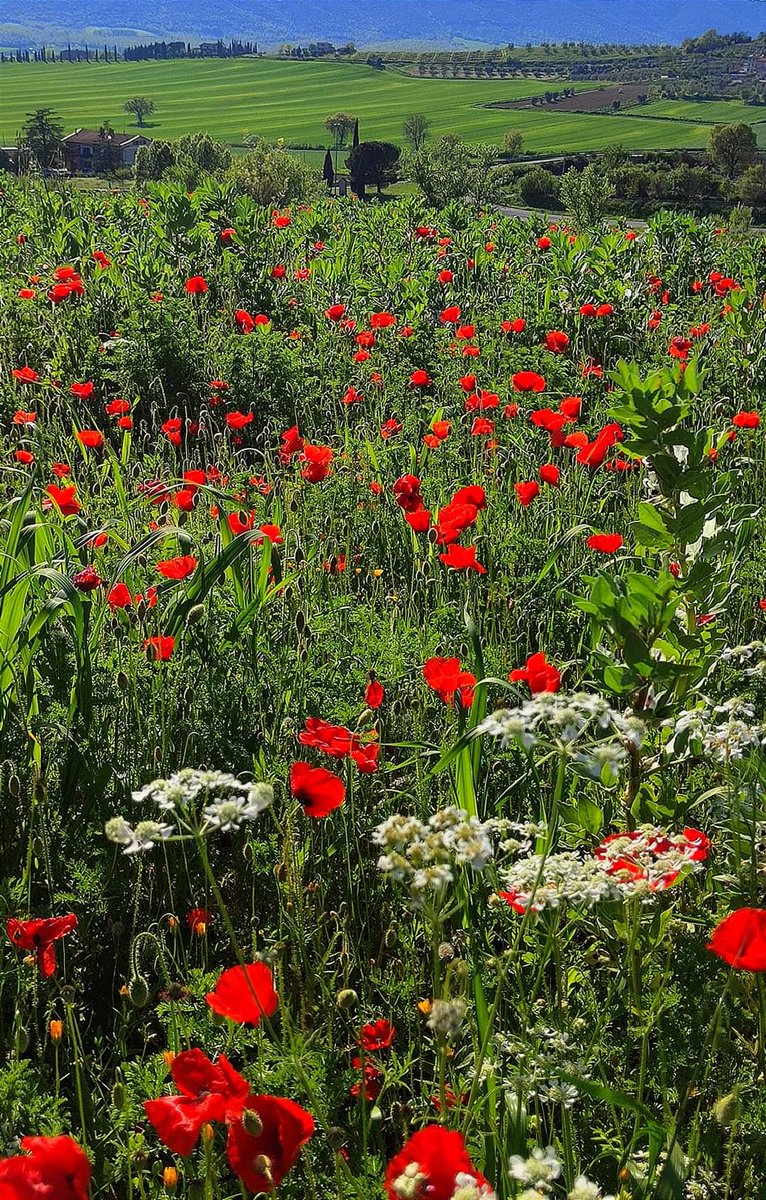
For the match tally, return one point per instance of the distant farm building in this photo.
(96, 151)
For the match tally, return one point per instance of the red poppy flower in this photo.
(317, 460)
(335, 312)
(317, 790)
(87, 580)
(241, 522)
(40, 934)
(517, 326)
(117, 407)
(746, 420)
(281, 220)
(446, 677)
(262, 1160)
(24, 457)
(83, 391)
(482, 426)
(382, 320)
(210, 1091)
(238, 420)
(373, 694)
(740, 939)
(390, 428)
(21, 417)
(244, 994)
(228, 234)
(26, 293)
(365, 756)
(334, 740)
(119, 596)
(273, 533)
(178, 568)
(63, 498)
(198, 920)
(91, 438)
(377, 1035)
(445, 276)
(549, 473)
(54, 1168)
(25, 375)
(605, 543)
(462, 558)
(420, 378)
(527, 492)
(370, 1084)
(450, 316)
(196, 285)
(541, 675)
(437, 1156)
(544, 243)
(528, 381)
(420, 521)
(160, 648)
(407, 493)
(556, 341)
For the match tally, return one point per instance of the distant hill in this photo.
(433, 22)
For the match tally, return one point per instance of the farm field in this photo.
(382, 667)
(287, 99)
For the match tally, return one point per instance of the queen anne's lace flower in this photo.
(540, 1169)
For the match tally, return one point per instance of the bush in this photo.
(539, 186)
(274, 177)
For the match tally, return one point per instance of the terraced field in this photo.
(228, 98)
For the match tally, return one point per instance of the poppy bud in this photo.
(56, 1031)
(336, 1137)
(118, 1095)
(300, 621)
(158, 754)
(14, 786)
(138, 991)
(376, 1114)
(726, 1110)
(170, 1179)
(122, 681)
(262, 1165)
(195, 614)
(391, 938)
(208, 1133)
(300, 557)
(252, 1122)
(346, 998)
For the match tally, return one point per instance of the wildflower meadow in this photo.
(382, 671)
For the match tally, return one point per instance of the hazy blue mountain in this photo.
(388, 21)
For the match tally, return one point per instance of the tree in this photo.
(140, 107)
(586, 195)
(731, 147)
(328, 171)
(415, 129)
(538, 187)
(340, 125)
(513, 140)
(273, 177)
(751, 186)
(451, 169)
(43, 132)
(373, 163)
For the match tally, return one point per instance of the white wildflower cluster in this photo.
(585, 1189)
(724, 732)
(412, 1184)
(521, 836)
(447, 1017)
(536, 1066)
(585, 725)
(230, 803)
(548, 881)
(424, 855)
(743, 654)
(541, 1169)
(468, 1188)
(143, 837)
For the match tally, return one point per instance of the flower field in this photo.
(382, 668)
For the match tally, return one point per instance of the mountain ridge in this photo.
(435, 22)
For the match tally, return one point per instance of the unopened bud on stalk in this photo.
(122, 681)
(195, 614)
(726, 1110)
(252, 1122)
(170, 1179)
(56, 1031)
(118, 1095)
(138, 991)
(14, 786)
(346, 999)
(262, 1164)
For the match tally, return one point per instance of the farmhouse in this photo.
(93, 151)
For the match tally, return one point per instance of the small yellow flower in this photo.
(168, 1056)
(424, 1007)
(56, 1030)
(170, 1179)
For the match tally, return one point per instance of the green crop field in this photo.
(719, 112)
(227, 98)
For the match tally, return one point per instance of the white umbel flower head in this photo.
(585, 1189)
(540, 1169)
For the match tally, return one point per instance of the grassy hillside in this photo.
(227, 98)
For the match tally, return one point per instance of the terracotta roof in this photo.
(92, 137)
